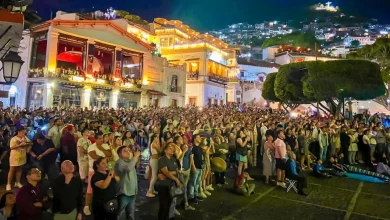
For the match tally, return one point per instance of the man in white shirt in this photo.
(82, 154)
(96, 150)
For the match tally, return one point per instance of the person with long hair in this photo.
(127, 139)
(167, 175)
(103, 184)
(8, 209)
(114, 147)
(268, 157)
(155, 154)
(242, 151)
(19, 145)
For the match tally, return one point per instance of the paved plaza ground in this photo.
(328, 199)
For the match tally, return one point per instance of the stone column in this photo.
(114, 98)
(51, 50)
(86, 97)
(48, 95)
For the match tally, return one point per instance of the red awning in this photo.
(154, 92)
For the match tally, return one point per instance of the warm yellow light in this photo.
(116, 79)
(145, 82)
(50, 85)
(100, 81)
(129, 85)
(51, 69)
(194, 64)
(77, 79)
(115, 92)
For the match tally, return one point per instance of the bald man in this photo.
(67, 194)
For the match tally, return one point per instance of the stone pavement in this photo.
(328, 199)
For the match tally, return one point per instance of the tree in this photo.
(333, 81)
(133, 18)
(355, 43)
(268, 91)
(296, 39)
(379, 52)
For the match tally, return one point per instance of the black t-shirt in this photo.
(40, 149)
(100, 196)
(170, 164)
(291, 141)
(198, 156)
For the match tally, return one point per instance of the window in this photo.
(100, 98)
(192, 100)
(35, 95)
(132, 66)
(67, 96)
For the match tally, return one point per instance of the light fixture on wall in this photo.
(12, 63)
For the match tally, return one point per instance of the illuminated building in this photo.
(208, 60)
(97, 63)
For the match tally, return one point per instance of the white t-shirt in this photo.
(100, 153)
(54, 135)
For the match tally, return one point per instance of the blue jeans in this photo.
(195, 183)
(127, 203)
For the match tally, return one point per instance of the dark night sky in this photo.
(204, 15)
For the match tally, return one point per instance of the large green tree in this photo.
(296, 39)
(268, 91)
(379, 53)
(333, 81)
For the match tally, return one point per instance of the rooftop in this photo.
(260, 63)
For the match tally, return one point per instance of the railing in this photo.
(78, 76)
(193, 75)
(218, 79)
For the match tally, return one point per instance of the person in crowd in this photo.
(353, 148)
(167, 175)
(128, 182)
(115, 146)
(242, 150)
(30, 199)
(54, 133)
(320, 171)
(207, 149)
(4, 143)
(95, 151)
(67, 194)
(199, 163)
(155, 152)
(323, 140)
(366, 149)
(293, 173)
(69, 145)
(104, 183)
(242, 186)
(82, 154)
(380, 137)
(43, 156)
(221, 149)
(127, 139)
(186, 168)
(345, 142)
(280, 157)
(268, 158)
(8, 210)
(19, 145)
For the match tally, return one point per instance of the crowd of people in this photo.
(58, 151)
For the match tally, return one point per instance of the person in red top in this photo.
(69, 145)
(242, 186)
(30, 200)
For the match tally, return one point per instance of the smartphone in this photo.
(109, 166)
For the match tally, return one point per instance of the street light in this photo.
(12, 64)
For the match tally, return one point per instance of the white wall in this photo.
(179, 96)
(20, 84)
(213, 92)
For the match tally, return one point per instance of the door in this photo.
(174, 103)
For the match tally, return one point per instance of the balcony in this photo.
(193, 75)
(80, 77)
(218, 79)
(175, 89)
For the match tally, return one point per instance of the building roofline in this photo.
(47, 24)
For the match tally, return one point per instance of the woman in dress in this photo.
(268, 157)
(19, 146)
(155, 154)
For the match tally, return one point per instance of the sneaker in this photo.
(219, 185)
(210, 188)
(360, 161)
(155, 192)
(86, 210)
(189, 208)
(177, 212)
(18, 185)
(8, 187)
(203, 195)
(226, 183)
(207, 193)
(194, 201)
(200, 199)
(150, 195)
(281, 184)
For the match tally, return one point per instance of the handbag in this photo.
(176, 191)
(111, 206)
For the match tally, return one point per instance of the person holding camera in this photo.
(242, 151)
